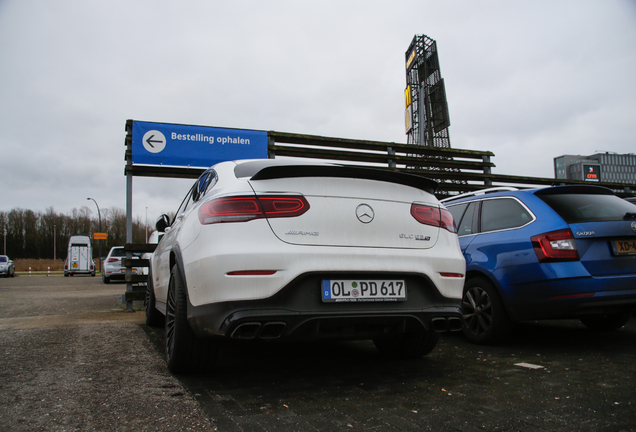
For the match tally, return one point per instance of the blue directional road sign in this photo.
(194, 146)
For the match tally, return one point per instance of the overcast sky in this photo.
(527, 80)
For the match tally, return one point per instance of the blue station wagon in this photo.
(557, 252)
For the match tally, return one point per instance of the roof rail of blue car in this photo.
(480, 192)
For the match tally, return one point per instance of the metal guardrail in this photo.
(457, 170)
(136, 293)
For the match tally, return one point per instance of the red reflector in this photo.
(433, 216)
(252, 273)
(453, 275)
(555, 246)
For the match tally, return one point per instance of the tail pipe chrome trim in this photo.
(254, 330)
(443, 324)
(246, 331)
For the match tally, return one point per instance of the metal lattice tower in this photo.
(427, 118)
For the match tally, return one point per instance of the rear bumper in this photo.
(117, 274)
(68, 272)
(297, 312)
(559, 296)
(209, 259)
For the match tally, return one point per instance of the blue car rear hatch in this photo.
(603, 225)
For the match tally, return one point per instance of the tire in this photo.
(154, 318)
(484, 318)
(105, 280)
(407, 346)
(606, 322)
(185, 353)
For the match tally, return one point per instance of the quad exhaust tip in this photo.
(442, 324)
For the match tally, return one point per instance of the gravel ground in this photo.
(71, 359)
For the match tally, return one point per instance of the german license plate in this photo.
(624, 247)
(356, 290)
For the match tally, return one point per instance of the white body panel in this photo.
(208, 261)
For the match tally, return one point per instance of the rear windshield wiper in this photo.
(629, 215)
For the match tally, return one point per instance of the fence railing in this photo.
(457, 170)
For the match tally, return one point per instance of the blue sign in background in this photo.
(194, 146)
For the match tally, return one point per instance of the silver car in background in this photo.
(114, 268)
(7, 268)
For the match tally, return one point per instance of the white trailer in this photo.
(79, 258)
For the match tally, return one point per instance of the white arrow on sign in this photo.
(154, 141)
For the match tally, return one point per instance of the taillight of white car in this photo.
(433, 216)
(555, 246)
(246, 208)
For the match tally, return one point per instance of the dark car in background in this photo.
(557, 252)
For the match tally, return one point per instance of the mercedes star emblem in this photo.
(365, 213)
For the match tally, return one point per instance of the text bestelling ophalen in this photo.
(210, 139)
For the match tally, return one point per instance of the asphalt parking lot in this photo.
(72, 359)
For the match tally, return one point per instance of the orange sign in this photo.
(100, 236)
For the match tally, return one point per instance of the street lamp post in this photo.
(100, 230)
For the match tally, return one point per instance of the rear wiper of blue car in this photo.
(629, 215)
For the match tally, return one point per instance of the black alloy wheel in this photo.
(154, 318)
(185, 353)
(484, 317)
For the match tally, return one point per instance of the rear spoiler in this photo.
(575, 189)
(345, 171)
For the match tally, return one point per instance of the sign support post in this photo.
(129, 230)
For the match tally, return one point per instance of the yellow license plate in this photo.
(624, 247)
